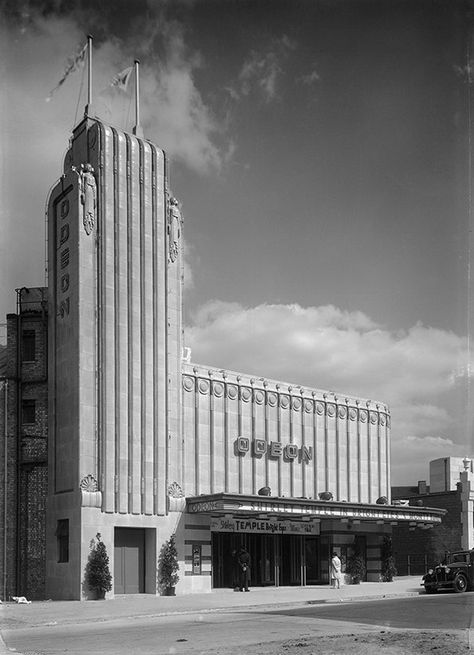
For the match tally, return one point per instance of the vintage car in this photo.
(457, 573)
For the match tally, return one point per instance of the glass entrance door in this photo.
(311, 560)
(290, 560)
(224, 548)
(262, 554)
(276, 560)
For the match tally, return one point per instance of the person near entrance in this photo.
(243, 561)
(335, 571)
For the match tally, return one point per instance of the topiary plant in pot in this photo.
(168, 567)
(98, 577)
(389, 570)
(355, 567)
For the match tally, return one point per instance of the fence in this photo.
(412, 564)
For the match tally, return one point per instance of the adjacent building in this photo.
(451, 487)
(23, 455)
(143, 443)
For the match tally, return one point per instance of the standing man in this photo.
(335, 571)
(243, 561)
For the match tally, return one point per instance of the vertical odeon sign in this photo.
(63, 260)
(63, 249)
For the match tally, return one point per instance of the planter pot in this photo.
(169, 591)
(355, 580)
(100, 594)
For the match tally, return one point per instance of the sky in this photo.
(320, 151)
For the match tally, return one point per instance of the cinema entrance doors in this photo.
(276, 559)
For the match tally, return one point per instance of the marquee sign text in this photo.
(317, 510)
(257, 526)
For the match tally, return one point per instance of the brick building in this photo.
(451, 488)
(23, 458)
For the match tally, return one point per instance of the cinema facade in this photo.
(143, 444)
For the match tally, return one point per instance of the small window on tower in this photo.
(62, 536)
(29, 345)
(28, 411)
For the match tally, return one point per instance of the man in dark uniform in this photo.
(243, 562)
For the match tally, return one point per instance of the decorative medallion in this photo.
(245, 394)
(218, 389)
(175, 491)
(382, 419)
(232, 391)
(174, 228)
(188, 383)
(259, 397)
(272, 399)
(308, 406)
(352, 414)
(203, 386)
(373, 417)
(88, 483)
(342, 412)
(296, 404)
(363, 416)
(320, 408)
(331, 409)
(284, 401)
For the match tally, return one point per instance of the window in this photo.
(29, 345)
(28, 410)
(62, 536)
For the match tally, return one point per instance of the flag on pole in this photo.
(71, 66)
(120, 81)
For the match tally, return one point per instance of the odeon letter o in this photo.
(291, 451)
(243, 445)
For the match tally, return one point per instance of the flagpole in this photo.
(88, 110)
(137, 129)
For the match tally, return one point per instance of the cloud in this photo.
(188, 255)
(172, 110)
(411, 456)
(310, 78)
(262, 69)
(35, 133)
(413, 371)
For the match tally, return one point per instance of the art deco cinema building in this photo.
(143, 444)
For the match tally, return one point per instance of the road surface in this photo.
(343, 627)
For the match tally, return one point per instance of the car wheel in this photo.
(460, 584)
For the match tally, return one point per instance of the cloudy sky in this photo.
(320, 150)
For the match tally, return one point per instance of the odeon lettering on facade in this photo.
(289, 451)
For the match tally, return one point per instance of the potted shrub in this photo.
(168, 567)
(98, 577)
(389, 570)
(355, 567)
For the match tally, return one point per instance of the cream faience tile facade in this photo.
(242, 433)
